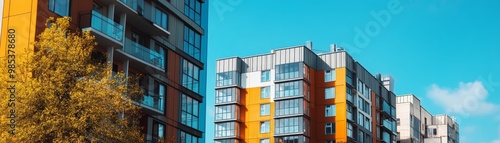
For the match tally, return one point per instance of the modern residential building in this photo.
(417, 125)
(293, 95)
(165, 41)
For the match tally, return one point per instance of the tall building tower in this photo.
(165, 41)
(416, 125)
(293, 95)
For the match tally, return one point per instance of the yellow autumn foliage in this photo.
(63, 95)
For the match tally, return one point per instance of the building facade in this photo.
(293, 95)
(416, 125)
(165, 41)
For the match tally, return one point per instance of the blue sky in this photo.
(446, 52)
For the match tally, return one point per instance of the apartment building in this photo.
(416, 125)
(292, 95)
(165, 41)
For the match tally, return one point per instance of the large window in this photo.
(349, 130)
(291, 139)
(161, 18)
(329, 75)
(289, 89)
(187, 138)
(329, 92)
(330, 128)
(60, 7)
(190, 76)
(349, 112)
(192, 9)
(265, 76)
(330, 111)
(192, 43)
(289, 107)
(265, 109)
(227, 78)
(226, 112)
(349, 77)
(158, 131)
(265, 92)
(227, 95)
(264, 141)
(190, 108)
(225, 141)
(264, 127)
(289, 125)
(287, 71)
(226, 129)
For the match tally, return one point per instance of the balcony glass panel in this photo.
(153, 100)
(143, 53)
(104, 25)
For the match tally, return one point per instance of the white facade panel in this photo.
(253, 80)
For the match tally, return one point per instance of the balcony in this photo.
(144, 54)
(153, 101)
(389, 125)
(103, 28)
(140, 14)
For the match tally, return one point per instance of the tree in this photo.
(62, 94)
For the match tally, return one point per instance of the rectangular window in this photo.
(158, 131)
(287, 71)
(349, 130)
(227, 95)
(330, 111)
(192, 43)
(329, 128)
(60, 7)
(290, 107)
(265, 109)
(330, 75)
(189, 108)
(349, 77)
(187, 138)
(227, 78)
(265, 76)
(226, 129)
(161, 18)
(265, 92)
(349, 112)
(288, 89)
(190, 76)
(289, 125)
(264, 141)
(226, 112)
(192, 9)
(329, 92)
(264, 127)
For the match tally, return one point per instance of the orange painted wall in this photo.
(250, 113)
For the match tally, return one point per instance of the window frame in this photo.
(330, 125)
(265, 92)
(265, 76)
(267, 125)
(332, 109)
(265, 111)
(53, 7)
(332, 92)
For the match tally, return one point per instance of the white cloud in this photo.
(468, 99)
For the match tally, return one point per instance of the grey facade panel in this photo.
(229, 64)
(332, 60)
(289, 55)
(310, 58)
(258, 63)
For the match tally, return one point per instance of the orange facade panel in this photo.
(251, 117)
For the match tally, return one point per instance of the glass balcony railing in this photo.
(388, 124)
(101, 23)
(143, 53)
(137, 5)
(153, 100)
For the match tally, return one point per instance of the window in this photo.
(226, 129)
(192, 43)
(265, 76)
(330, 93)
(264, 127)
(288, 125)
(349, 130)
(368, 124)
(226, 112)
(264, 109)
(192, 9)
(330, 128)
(159, 91)
(187, 138)
(349, 77)
(161, 18)
(227, 78)
(190, 76)
(288, 89)
(189, 116)
(158, 131)
(329, 75)
(264, 141)
(226, 95)
(225, 141)
(287, 71)
(290, 107)
(330, 111)
(60, 7)
(330, 141)
(398, 121)
(349, 112)
(265, 91)
(292, 139)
